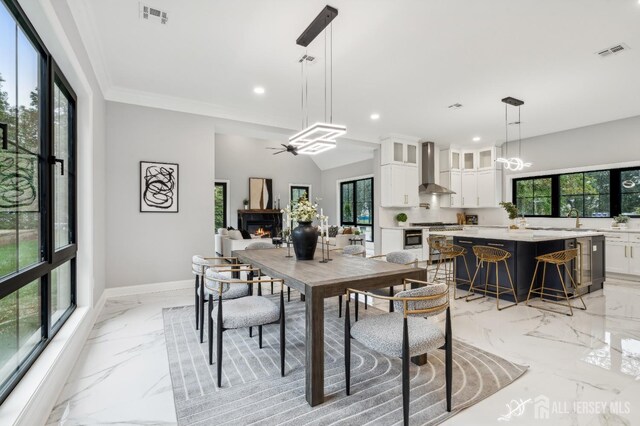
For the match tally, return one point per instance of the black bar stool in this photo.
(492, 255)
(558, 258)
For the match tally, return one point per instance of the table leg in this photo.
(314, 384)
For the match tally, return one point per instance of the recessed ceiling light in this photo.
(476, 139)
(375, 116)
(258, 90)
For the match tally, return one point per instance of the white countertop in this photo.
(550, 228)
(519, 235)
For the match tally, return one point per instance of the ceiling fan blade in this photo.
(279, 152)
(286, 146)
(294, 152)
(273, 148)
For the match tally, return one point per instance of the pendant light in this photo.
(512, 163)
(321, 136)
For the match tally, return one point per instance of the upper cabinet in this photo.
(487, 158)
(399, 150)
(450, 159)
(469, 160)
(399, 186)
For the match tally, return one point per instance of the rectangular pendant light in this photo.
(317, 147)
(318, 132)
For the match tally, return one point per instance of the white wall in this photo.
(145, 248)
(601, 144)
(240, 157)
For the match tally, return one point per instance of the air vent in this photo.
(152, 14)
(307, 58)
(455, 106)
(612, 50)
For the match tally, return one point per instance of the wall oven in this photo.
(412, 239)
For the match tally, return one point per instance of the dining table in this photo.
(316, 281)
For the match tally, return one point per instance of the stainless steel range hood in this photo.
(429, 184)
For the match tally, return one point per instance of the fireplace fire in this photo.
(261, 232)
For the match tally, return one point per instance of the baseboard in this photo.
(147, 288)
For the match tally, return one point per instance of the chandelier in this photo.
(512, 163)
(321, 136)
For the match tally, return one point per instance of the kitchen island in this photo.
(588, 269)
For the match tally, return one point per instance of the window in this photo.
(630, 192)
(534, 196)
(586, 192)
(297, 191)
(220, 205)
(37, 197)
(356, 205)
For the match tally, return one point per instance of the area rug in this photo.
(253, 392)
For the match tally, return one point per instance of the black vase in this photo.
(305, 239)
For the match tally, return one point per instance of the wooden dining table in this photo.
(317, 281)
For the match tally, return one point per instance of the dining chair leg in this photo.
(196, 303)
(250, 331)
(356, 303)
(260, 336)
(202, 310)
(219, 344)
(340, 306)
(282, 335)
(271, 288)
(288, 294)
(347, 348)
(391, 309)
(365, 302)
(210, 329)
(405, 372)
(449, 359)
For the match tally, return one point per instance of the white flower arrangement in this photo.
(303, 211)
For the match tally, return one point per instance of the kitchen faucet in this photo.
(577, 216)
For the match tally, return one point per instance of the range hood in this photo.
(429, 184)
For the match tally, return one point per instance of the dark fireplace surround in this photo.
(269, 222)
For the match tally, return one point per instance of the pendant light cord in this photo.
(519, 134)
(506, 132)
(331, 76)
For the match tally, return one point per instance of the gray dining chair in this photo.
(199, 266)
(400, 257)
(405, 333)
(248, 311)
(262, 245)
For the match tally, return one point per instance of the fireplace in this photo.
(265, 223)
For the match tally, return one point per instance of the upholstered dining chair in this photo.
(199, 265)
(401, 257)
(405, 333)
(262, 245)
(350, 250)
(249, 311)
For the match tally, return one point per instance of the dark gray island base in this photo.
(588, 269)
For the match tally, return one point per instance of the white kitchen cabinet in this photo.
(469, 160)
(452, 180)
(489, 187)
(622, 253)
(469, 189)
(450, 159)
(400, 151)
(616, 258)
(392, 240)
(487, 157)
(399, 186)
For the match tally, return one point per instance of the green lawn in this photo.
(29, 301)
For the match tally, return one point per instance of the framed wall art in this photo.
(158, 187)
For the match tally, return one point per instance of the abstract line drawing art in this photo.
(18, 183)
(158, 187)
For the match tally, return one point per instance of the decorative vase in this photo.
(305, 239)
(402, 224)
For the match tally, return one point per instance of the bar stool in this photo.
(453, 252)
(438, 242)
(558, 258)
(492, 255)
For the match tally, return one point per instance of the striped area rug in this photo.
(254, 393)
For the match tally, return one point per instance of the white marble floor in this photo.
(584, 370)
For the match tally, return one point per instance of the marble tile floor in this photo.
(584, 370)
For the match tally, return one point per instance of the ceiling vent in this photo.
(152, 14)
(612, 50)
(455, 106)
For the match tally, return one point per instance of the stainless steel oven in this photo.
(412, 239)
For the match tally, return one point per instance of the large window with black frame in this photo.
(37, 196)
(356, 205)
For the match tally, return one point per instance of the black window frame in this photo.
(306, 188)
(615, 191)
(225, 201)
(355, 222)
(50, 75)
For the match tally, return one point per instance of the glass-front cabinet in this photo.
(399, 150)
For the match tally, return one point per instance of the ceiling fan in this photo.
(287, 148)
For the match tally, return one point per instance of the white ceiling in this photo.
(406, 60)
